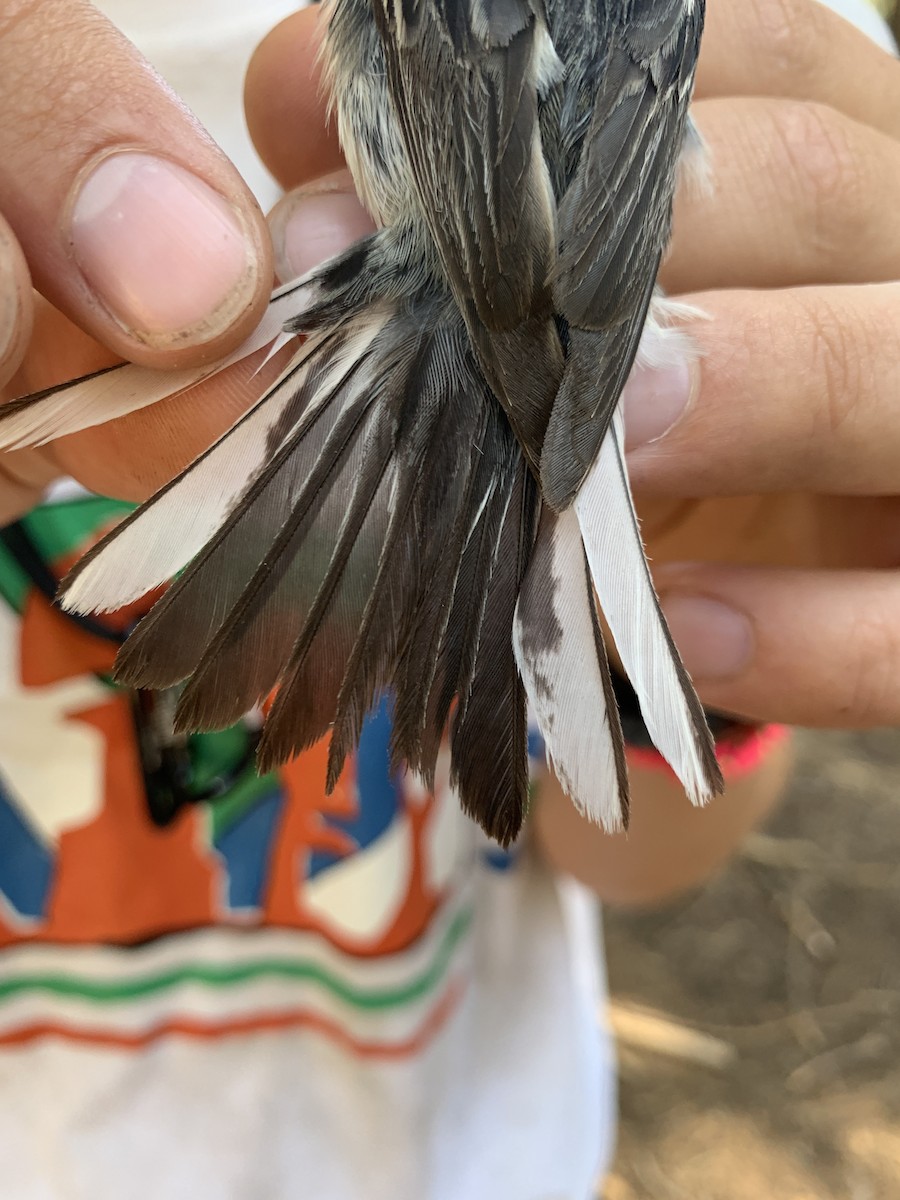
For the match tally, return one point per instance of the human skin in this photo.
(768, 507)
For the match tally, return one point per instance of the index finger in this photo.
(798, 49)
(286, 103)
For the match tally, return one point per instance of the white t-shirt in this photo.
(285, 995)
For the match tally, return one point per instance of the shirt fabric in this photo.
(279, 994)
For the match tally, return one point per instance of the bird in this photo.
(431, 500)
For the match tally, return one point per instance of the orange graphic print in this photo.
(116, 878)
(304, 830)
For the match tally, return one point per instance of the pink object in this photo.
(740, 751)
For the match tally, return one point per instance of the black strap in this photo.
(19, 543)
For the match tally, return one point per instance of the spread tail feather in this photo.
(118, 390)
(563, 661)
(370, 525)
(363, 529)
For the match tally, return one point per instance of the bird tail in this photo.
(363, 529)
(370, 527)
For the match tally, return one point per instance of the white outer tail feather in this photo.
(622, 580)
(564, 681)
(171, 529)
(98, 399)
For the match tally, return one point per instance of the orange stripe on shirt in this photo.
(271, 1023)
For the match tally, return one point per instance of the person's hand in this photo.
(791, 407)
(140, 237)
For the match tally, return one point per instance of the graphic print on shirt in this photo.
(355, 901)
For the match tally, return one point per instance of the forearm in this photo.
(670, 847)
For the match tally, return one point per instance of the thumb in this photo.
(131, 220)
(314, 222)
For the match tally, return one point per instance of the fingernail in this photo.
(168, 256)
(15, 313)
(654, 399)
(9, 305)
(316, 222)
(715, 641)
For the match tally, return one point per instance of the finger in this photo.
(800, 194)
(795, 529)
(803, 647)
(132, 221)
(315, 222)
(801, 49)
(15, 304)
(854, 532)
(284, 93)
(24, 475)
(793, 390)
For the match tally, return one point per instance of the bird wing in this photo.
(477, 168)
(615, 219)
(475, 156)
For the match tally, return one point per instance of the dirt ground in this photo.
(787, 966)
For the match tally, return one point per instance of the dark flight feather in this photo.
(482, 183)
(490, 723)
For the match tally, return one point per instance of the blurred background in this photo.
(758, 1020)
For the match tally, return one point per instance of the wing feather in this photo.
(615, 218)
(481, 182)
